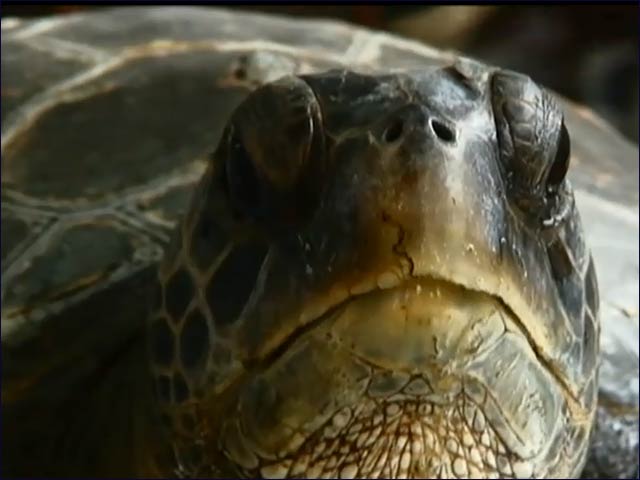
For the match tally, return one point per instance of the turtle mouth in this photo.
(431, 286)
(428, 286)
(397, 382)
(413, 324)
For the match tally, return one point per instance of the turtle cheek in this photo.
(280, 408)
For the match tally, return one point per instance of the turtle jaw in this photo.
(395, 370)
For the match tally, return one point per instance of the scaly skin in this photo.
(382, 276)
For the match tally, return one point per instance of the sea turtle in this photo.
(380, 268)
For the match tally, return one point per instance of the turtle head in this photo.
(381, 276)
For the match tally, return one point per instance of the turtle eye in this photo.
(560, 165)
(242, 181)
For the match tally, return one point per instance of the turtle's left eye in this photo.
(560, 165)
(274, 155)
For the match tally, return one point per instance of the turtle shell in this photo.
(107, 122)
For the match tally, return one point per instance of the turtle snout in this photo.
(416, 124)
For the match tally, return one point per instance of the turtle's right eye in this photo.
(560, 165)
(241, 176)
(534, 144)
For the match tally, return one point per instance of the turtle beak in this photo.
(424, 325)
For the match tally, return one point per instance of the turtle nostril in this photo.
(442, 131)
(393, 132)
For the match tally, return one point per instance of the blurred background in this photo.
(588, 53)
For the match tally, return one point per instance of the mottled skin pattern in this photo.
(381, 276)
